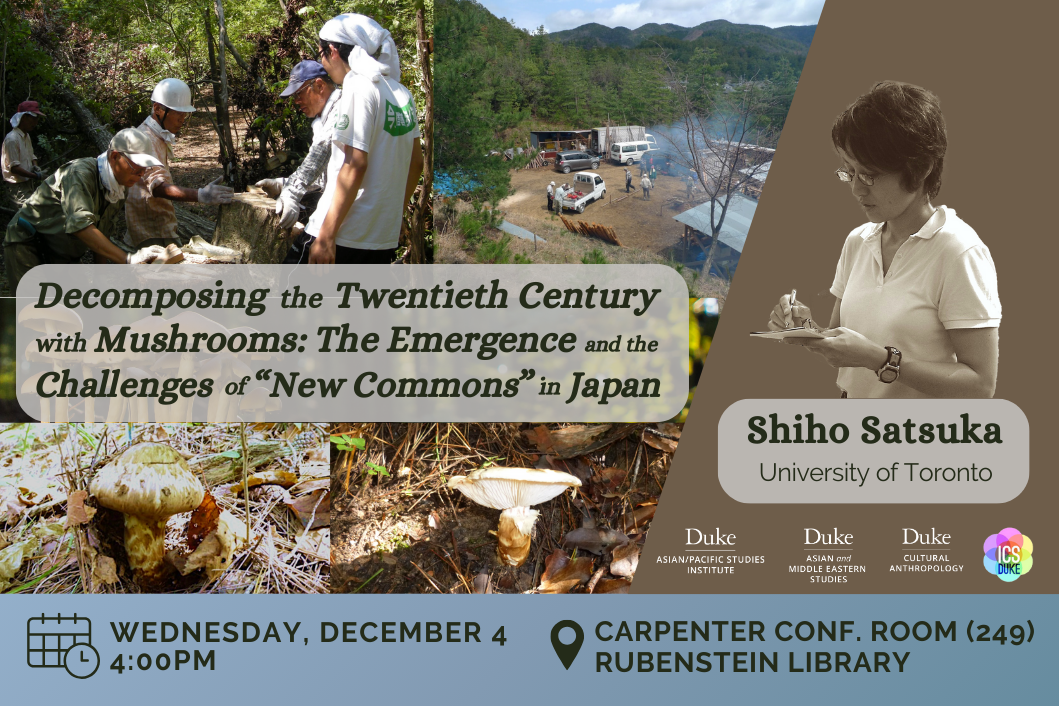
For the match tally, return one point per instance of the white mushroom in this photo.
(148, 483)
(515, 491)
(30, 386)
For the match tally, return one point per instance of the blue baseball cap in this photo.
(303, 71)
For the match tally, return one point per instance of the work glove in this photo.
(272, 187)
(214, 193)
(145, 255)
(287, 209)
(37, 171)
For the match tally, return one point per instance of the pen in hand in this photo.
(790, 315)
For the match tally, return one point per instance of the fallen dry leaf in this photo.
(203, 521)
(279, 476)
(314, 508)
(670, 429)
(635, 519)
(315, 544)
(594, 539)
(660, 442)
(626, 557)
(77, 513)
(104, 570)
(482, 584)
(612, 586)
(562, 574)
(610, 479)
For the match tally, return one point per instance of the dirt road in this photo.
(645, 225)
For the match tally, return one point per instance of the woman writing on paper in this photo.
(916, 311)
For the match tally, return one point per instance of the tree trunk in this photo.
(231, 166)
(211, 47)
(421, 210)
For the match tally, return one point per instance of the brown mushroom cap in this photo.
(149, 480)
(504, 488)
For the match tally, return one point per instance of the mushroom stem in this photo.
(145, 547)
(514, 535)
(90, 401)
(45, 410)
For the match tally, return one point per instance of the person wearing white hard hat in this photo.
(315, 95)
(149, 210)
(551, 195)
(18, 163)
(76, 209)
(359, 217)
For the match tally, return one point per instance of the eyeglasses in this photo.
(846, 176)
(302, 89)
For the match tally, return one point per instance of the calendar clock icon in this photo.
(81, 661)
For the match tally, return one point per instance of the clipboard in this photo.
(798, 332)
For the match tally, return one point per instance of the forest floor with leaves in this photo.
(54, 538)
(398, 528)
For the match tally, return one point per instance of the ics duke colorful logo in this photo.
(1008, 554)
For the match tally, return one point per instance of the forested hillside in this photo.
(495, 81)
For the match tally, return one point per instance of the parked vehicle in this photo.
(603, 138)
(567, 162)
(629, 152)
(585, 188)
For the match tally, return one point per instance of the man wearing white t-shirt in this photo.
(377, 159)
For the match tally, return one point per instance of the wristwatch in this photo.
(891, 369)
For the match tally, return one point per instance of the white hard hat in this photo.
(173, 94)
(136, 146)
(553, 183)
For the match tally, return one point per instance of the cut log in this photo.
(249, 225)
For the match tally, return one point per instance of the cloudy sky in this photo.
(686, 13)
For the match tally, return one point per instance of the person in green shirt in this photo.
(75, 210)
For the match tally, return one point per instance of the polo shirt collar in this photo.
(935, 223)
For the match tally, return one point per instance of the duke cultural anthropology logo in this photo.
(399, 119)
(1008, 554)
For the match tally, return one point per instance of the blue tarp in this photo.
(453, 183)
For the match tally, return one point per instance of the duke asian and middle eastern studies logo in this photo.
(1008, 554)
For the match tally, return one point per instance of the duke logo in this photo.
(400, 120)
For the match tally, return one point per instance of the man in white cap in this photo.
(359, 217)
(149, 209)
(316, 97)
(560, 194)
(18, 163)
(75, 210)
(551, 195)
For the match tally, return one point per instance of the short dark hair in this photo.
(342, 49)
(896, 128)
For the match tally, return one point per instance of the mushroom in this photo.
(53, 322)
(515, 491)
(30, 387)
(148, 483)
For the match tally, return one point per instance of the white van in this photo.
(629, 152)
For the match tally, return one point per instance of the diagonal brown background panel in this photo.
(992, 69)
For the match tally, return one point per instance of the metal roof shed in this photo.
(734, 230)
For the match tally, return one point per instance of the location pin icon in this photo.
(567, 653)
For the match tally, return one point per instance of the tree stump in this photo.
(250, 225)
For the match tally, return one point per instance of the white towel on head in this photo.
(115, 191)
(369, 39)
(17, 118)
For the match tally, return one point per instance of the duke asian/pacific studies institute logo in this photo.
(1008, 554)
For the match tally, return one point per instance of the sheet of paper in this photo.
(798, 332)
